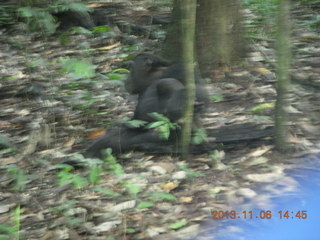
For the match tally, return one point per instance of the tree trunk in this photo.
(172, 48)
(283, 76)
(219, 34)
(188, 22)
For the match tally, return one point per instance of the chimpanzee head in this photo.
(144, 70)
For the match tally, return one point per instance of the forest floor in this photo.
(51, 109)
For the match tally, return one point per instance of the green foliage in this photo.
(101, 29)
(153, 197)
(144, 205)
(41, 17)
(19, 178)
(94, 175)
(106, 192)
(11, 232)
(178, 225)
(313, 23)
(115, 76)
(121, 70)
(111, 161)
(7, 15)
(130, 230)
(65, 176)
(199, 136)
(136, 123)
(118, 74)
(5, 145)
(217, 97)
(217, 155)
(262, 108)
(191, 174)
(38, 63)
(130, 48)
(162, 196)
(133, 189)
(79, 68)
(64, 38)
(38, 18)
(163, 125)
(265, 12)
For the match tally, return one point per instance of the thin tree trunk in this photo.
(283, 65)
(188, 34)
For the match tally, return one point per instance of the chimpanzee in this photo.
(161, 88)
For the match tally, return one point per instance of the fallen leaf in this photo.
(170, 186)
(96, 134)
(186, 199)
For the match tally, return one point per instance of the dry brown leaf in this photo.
(170, 186)
(186, 199)
(260, 151)
(110, 46)
(96, 134)
(263, 71)
(70, 142)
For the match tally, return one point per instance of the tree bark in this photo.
(283, 76)
(219, 34)
(188, 35)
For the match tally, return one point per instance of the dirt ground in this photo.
(52, 120)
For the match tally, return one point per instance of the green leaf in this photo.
(159, 117)
(64, 178)
(19, 177)
(178, 225)
(78, 182)
(217, 97)
(144, 205)
(121, 70)
(133, 188)
(7, 230)
(116, 169)
(156, 124)
(26, 12)
(106, 192)
(78, 7)
(262, 107)
(38, 63)
(161, 196)
(199, 136)
(65, 167)
(115, 76)
(164, 131)
(94, 175)
(136, 123)
(101, 29)
(80, 68)
(130, 230)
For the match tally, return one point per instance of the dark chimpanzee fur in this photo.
(161, 88)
